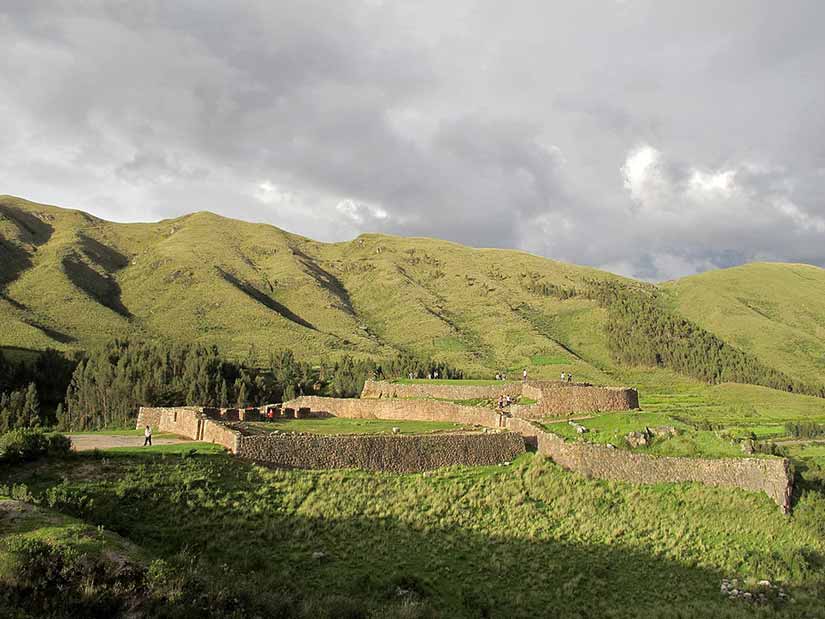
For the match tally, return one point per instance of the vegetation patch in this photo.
(340, 425)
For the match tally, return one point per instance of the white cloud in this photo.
(644, 178)
(359, 212)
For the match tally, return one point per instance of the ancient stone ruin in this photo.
(498, 435)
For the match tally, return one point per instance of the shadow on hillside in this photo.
(54, 334)
(263, 299)
(107, 257)
(13, 261)
(256, 537)
(35, 230)
(101, 287)
(326, 280)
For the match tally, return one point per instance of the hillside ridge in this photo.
(70, 280)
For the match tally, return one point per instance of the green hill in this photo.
(775, 311)
(72, 280)
(69, 280)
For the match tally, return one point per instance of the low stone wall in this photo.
(190, 422)
(769, 475)
(556, 398)
(553, 398)
(387, 389)
(218, 433)
(149, 416)
(393, 453)
(395, 409)
(182, 421)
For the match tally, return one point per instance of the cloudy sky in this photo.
(654, 139)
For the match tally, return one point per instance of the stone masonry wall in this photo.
(769, 475)
(190, 422)
(218, 433)
(553, 398)
(394, 453)
(387, 389)
(557, 398)
(392, 408)
(149, 416)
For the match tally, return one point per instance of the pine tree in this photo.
(224, 401)
(241, 400)
(31, 408)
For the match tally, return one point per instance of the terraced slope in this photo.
(776, 311)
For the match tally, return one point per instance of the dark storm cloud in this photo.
(650, 138)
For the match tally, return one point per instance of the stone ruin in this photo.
(500, 436)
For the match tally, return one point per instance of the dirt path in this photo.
(85, 442)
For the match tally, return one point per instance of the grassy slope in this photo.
(76, 280)
(773, 310)
(524, 540)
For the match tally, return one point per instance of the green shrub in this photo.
(25, 445)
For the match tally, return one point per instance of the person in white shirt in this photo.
(147, 436)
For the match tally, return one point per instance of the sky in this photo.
(655, 139)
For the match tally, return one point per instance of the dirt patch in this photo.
(87, 442)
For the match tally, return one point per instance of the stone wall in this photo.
(553, 398)
(190, 422)
(387, 389)
(769, 475)
(182, 421)
(149, 416)
(393, 453)
(391, 408)
(218, 433)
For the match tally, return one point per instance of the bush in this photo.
(26, 445)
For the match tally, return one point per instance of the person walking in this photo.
(147, 436)
(562, 377)
(569, 377)
(524, 375)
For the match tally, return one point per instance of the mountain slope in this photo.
(70, 280)
(776, 311)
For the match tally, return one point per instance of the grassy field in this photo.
(340, 425)
(711, 420)
(524, 540)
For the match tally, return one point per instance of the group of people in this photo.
(566, 378)
(503, 401)
(430, 375)
(503, 375)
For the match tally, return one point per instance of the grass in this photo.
(540, 360)
(466, 382)
(187, 448)
(551, 541)
(711, 420)
(341, 425)
(774, 310)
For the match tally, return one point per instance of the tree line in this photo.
(105, 387)
(641, 331)
(32, 393)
